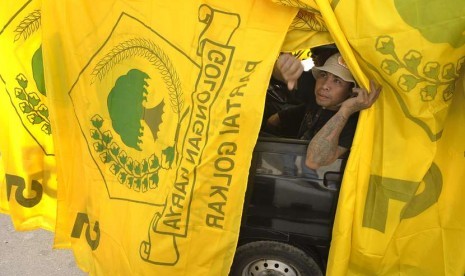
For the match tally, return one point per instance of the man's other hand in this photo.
(361, 99)
(288, 69)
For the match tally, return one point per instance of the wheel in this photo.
(270, 258)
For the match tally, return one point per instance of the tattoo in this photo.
(323, 148)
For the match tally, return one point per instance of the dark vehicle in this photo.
(288, 213)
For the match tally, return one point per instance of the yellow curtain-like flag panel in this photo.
(156, 107)
(399, 211)
(28, 187)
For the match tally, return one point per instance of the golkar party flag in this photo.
(156, 111)
(28, 188)
(400, 211)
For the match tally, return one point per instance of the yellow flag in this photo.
(28, 190)
(400, 207)
(156, 111)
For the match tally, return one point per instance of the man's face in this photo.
(331, 90)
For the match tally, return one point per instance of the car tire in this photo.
(273, 258)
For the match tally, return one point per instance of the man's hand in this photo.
(288, 69)
(361, 99)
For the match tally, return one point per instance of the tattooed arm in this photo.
(323, 148)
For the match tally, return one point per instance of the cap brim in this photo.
(346, 77)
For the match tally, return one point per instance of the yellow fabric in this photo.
(156, 106)
(308, 28)
(302, 54)
(28, 192)
(400, 210)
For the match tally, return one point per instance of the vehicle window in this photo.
(290, 165)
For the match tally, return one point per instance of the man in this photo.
(332, 111)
